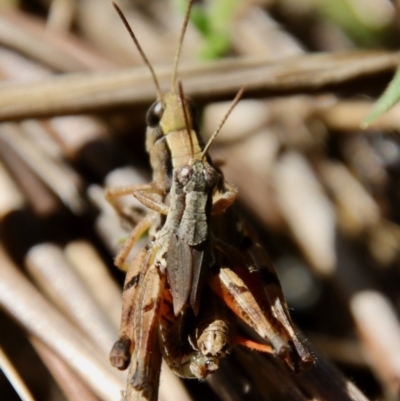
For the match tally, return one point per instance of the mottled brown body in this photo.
(201, 261)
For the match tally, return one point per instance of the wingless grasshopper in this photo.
(202, 265)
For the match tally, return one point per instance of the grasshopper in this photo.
(198, 244)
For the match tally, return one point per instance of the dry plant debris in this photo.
(322, 193)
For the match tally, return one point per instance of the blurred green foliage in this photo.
(214, 20)
(386, 101)
(361, 32)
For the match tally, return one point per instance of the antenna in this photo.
(185, 114)
(216, 132)
(146, 60)
(178, 50)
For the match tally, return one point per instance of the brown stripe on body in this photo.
(120, 354)
(146, 321)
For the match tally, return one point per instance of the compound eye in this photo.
(184, 174)
(154, 114)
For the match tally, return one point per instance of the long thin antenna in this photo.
(216, 132)
(178, 50)
(146, 60)
(185, 114)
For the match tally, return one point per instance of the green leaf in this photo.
(387, 100)
(200, 20)
(214, 20)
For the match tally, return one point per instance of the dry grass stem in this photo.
(70, 383)
(15, 379)
(79, 93)
(46, 263)
(45, 322)
(60, 52)
(54, 173)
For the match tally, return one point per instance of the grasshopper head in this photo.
(167, 114)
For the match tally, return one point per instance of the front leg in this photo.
(148, 195)
(143, 226)
(112, 194)
(152, 198)
(224, 200)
